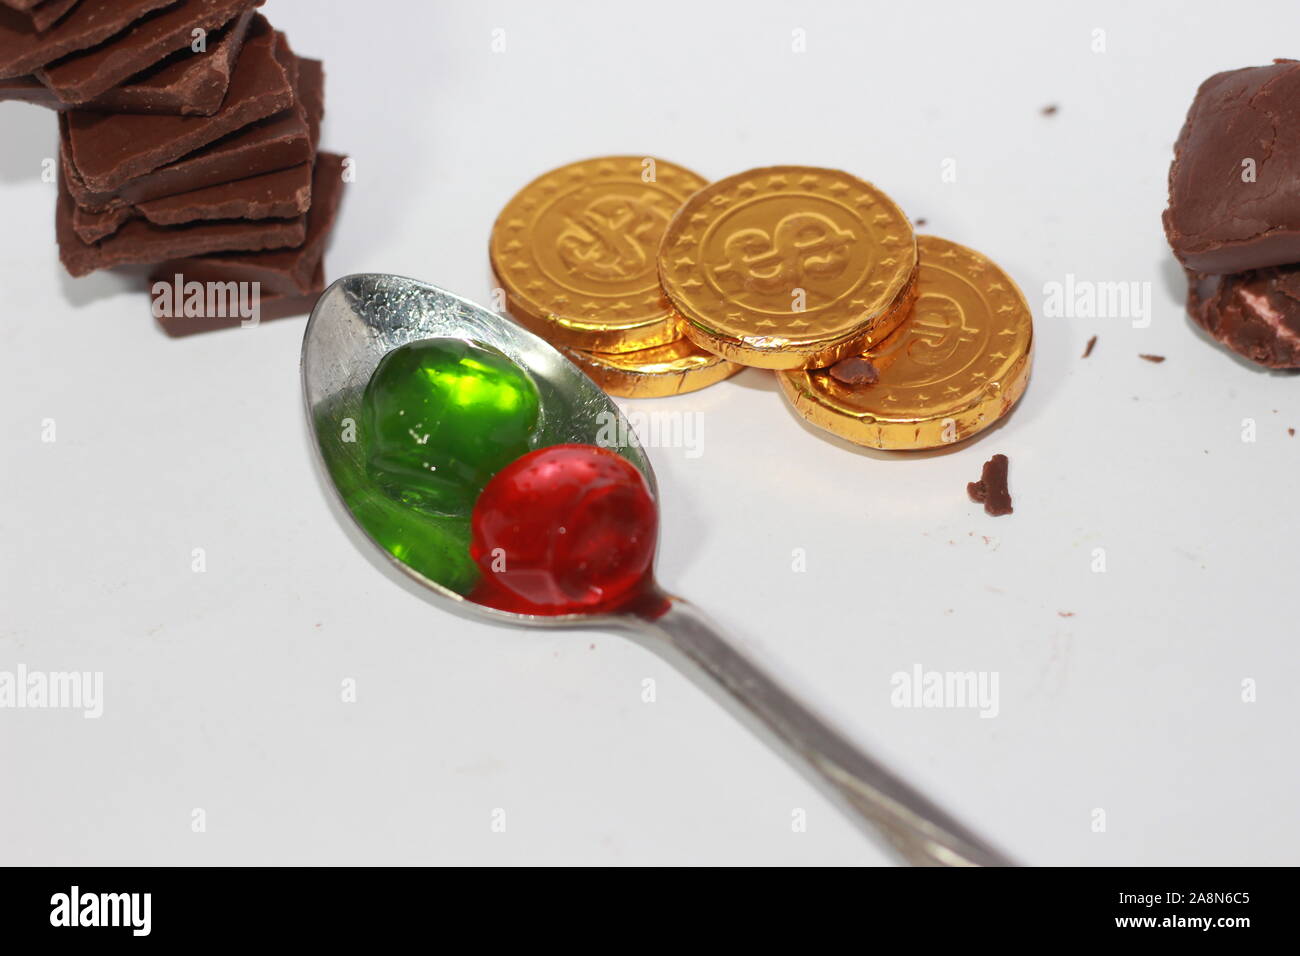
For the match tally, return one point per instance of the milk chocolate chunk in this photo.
(24, 48)
(284, 140)
(1233, 201)
(110, 149)
(279, 195)
(49, 12)
(991, 489)
(283, 271)
(855, 371)
(1255, 314)
(85, 75)
(141, 242)
(186, 83)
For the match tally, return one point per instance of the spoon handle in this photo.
(916, 829)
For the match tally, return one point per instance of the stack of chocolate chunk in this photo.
(1234, 211)
(188, 134)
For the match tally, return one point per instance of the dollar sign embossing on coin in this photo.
(789, 266)
(574, 251)
(613, 237)
(804, 245)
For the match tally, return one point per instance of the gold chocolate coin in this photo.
(789, 267)
(656, 372)
(575, 249)
(957, 364)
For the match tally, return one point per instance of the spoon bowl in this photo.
(361, 318)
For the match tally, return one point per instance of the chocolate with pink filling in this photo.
(1254, 313)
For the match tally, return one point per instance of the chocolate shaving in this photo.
(991, 490)
(1092, 343)
(1152, 358)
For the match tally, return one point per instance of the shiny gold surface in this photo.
(788, 267)
(957, 364)
(575, 249)
(655, 372)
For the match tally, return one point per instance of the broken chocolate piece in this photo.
(991, 489)
(277, 194)
(107, 150)
(24, 48)
(185, 84)
(1233, 204)
(855, 371)
(1255, 314)
(49, 12)
(284, 271)
(284, 140)
(140, 241)
(85, 75)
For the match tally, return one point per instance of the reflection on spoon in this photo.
(563, 533)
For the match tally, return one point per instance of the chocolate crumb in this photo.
(1152, 358)
(1092, 344)
(919, 222)
(991, 489)
(1065, 613)
(1291, 432)
(854, 371)
(1050, 109)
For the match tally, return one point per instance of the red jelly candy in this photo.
(568, 529)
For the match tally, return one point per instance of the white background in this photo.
(223, 688)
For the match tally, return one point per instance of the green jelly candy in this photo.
(437, 547)
(440, 418)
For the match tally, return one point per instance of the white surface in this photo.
(223, 688)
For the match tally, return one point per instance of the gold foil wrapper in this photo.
(656, 372)
(789, 267)
(958, 363)
(575, 250)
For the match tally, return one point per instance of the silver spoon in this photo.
(362, 317)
